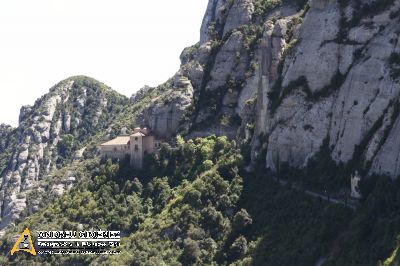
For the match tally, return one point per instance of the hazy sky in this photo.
(123, 43)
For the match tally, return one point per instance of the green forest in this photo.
(193, 204)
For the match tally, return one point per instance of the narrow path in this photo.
(352, 205)
(320, 195)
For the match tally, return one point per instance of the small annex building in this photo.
(355, 180)
(142, 141)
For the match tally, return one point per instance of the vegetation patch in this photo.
(212, 101)
(263, 7)
(201, 96)
(372, 234)
(189, 53)
(194, 205)
(288, 227)
(321, 173)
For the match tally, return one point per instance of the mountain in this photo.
(278, 105)
(62, 127)
(292, 79)
(286, 77)
(51, 133)
(7, 143)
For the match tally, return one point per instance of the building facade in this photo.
(141, 142)
(355, 192)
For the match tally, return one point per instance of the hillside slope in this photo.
(194, 204)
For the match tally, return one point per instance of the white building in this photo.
(142, 141)
(355, 192)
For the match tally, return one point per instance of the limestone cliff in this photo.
(165, 112)
(287, 75)
(337, 84)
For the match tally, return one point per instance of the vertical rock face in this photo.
(294, 76)
(239, 14)
(271, 52)
(164, 113)
(386, 161)
(77, 107)
(230, 62)
(318, 33)
(337, 85)
(213, 12)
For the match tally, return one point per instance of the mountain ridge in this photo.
(307, 90)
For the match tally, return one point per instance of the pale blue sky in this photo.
(123, 43)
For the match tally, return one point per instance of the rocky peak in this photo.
(24, 112)
(211, 18)
(50, 133)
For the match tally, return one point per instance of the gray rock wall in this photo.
(352, 102)
(163, 114)
(328, 67)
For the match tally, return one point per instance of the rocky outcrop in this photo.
(296, 78)
(386, 161)
(77, 107)
(5, 131)
(140, 94)
(320, 28)
(230, 62)
(165, 112)
(239, 14)
(24, 112)
(222, 67)
(338, 97)
(214, 11)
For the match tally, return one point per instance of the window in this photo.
(136, 147)
(136, 138)
(115, 149)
